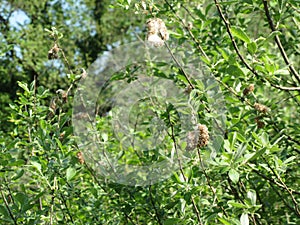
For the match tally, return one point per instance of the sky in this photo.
(18, 19)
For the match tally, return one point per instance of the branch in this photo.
(243, 59)
(8, 209)
(285, 88)
(208, 181)
(296, 209)
(272, 180)
(188, 30)
(66, 207)
(172, 135)
(153, 205)
(278, 42)
(233, 40)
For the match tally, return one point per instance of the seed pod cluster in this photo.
(80, 157)
(261, 108)
(260, 124)
(248, 89)
(198, 138)
(203, 136)
(53, 52)
(157, 32)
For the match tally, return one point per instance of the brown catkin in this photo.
(260, 124)
(248, 89)
(157, 32)
(261, 108)
(52, 53)
(80, 157)
(203, 136)
(197, 138)
(55, 48)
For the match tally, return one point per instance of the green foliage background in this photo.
(253, 179)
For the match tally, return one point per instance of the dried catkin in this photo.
(157, 32)
(80, 157)
(203, 136)
(198, 138)
(248, 89)
(261, 108)
(53, 52)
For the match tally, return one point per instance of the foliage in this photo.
(251, 50)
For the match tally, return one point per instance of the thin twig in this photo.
(183, 175)
(282, 198)
(278, 42)
(285, 88)
(8, 208)
(272, 180)
(189, 31)
(66, 60)
(296, 209)
(67, 208)
(233, 40)
(181, 67)
(188, 11)
(157, 217)
(51, 207)
(241, 56)
(208, 181)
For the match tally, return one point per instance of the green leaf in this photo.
(235, 71)
(271, 36)
(37, 166)
(237, 205)
(21, 198)
(19, 162)
(4, 211)
(234, 175)
(258, 153)
(24, 86)
(282, 4)
(241, 138)
(244, 219)
(18, 175)
(172, 221)
(252, 47)
(240, 34)
(251, 194)
(224, 221)
(265, 139)
(70, 173)
(223, 52)
(240, 151)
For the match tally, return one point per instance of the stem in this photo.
(278, 42)
(181, 67)
(7, 207)
(188, 30)
(157, 217)
(243, 60)
(196, 210)
(296, 209)
(208, 180)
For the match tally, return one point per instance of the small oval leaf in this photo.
(70, 173)
(234, 176)
(240, 34)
